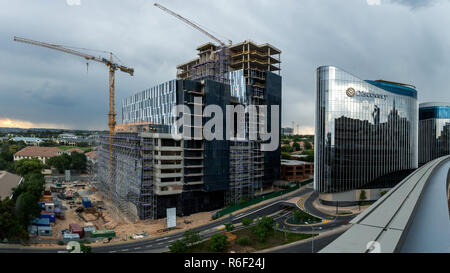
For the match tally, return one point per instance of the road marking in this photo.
(137, 247)
(161, 239)
(160, 243)
(171, 241)
(149, 246)
(113, 251)
(125, 249)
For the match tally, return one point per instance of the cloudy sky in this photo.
(399, 40)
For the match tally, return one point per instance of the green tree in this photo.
(62, 162)
(362, 198)
(78, 161)
(218, 242)
(296, 146)
(10, 228)
(26, 208)
(85, 249)
(247, 221)
(190, 237)
(229, 227)
(27, 166)
(179, 246)
(263, 228)
(308, 145)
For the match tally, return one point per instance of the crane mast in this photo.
(112, 69)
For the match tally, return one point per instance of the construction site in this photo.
(142, 171)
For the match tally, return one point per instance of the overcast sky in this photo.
(398, 40)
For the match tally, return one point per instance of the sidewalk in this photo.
(332, 209)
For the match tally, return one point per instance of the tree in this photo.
(296, 146)
(85, 249)
(190, 237)
(229, 227)
(179, 246)
(27, 166)
(247, 221)
(78, 161)
(27, 208)
(263, 228)
(10, 228)
(62, 162)
(362, 197)
(218, 242)
(307, 145)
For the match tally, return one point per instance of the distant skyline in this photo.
(397, 40)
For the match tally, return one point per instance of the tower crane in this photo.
(112, 69)
(192, 24)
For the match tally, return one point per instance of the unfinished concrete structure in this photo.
(194, 174)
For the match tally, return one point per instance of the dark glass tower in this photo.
(434, 131)
(366, 132)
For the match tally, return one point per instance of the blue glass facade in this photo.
(434, 131)
(366, 132)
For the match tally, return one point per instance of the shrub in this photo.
(218, 242)
(244, 241)
(178, 246)
(229, 227)
(247, 221)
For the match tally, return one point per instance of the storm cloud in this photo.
(396, 40)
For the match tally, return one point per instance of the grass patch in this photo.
(247, 242)
(300, 217)
(66, 147)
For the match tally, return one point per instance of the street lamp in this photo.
(312, 242)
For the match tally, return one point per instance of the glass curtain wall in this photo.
(365, 130)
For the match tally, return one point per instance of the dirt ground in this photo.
(107, 219)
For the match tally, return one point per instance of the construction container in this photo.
(71, 237)
(104, 233)
(49, 207)
(49, 215)
(75, 228)
(87, 231)
(44, 231)
(86, 202)
(40, 222)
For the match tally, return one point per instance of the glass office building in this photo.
(434, 131)
(365, 133)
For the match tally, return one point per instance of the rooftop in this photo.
(294, 162)
(39, 151)
(7, 182)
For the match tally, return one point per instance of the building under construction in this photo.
(152, 172)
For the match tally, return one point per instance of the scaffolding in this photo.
(131, 189)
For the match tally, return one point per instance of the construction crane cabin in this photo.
(112, 67)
